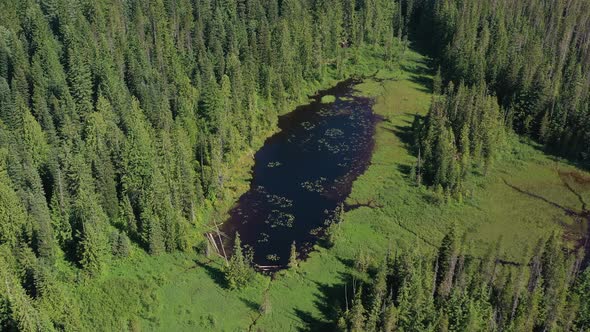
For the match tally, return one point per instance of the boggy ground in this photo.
(527, 195)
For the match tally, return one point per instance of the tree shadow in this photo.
(346, 261)
(405, 135)
(558, 156)
(420, 75)
(371, 204)
(312, 323)
(254, 306)
(215, 273)
(330, 302)
(425, 83)
(404, 169)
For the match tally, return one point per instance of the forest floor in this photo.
(526, 196)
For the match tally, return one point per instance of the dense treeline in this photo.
(454, 291)
(534, 54)
(462, 132)
(118, 120)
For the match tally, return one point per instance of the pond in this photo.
(303, 172)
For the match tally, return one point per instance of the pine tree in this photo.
(80, 80)
(582, 290)
(7, 108)
(24, 316)
(293, 263)
(91, 227)
(13, 217)
(379, 291)
(389, 318)
(357, 313)
(238, 272)
(447, 259)
(120, 244)
(437, 82)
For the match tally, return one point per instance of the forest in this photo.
(121, 124)
(533, 55)
(460, 292)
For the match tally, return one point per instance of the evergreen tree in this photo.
(582, 291)
(379, 292)
(293, 263)
(357, 313)
(238, 272)
(437, 82)
(447, 260)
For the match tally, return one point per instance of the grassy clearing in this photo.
(185, 292)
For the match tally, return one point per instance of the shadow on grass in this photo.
(405, 134)
(251, 304)
(312, 323)
(556, 155)
(420, 75)
(424, 82)
(330, 302)
(215, 273)
(335, 298)
(405, 169)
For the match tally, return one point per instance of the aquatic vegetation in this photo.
(334, 133)
(328, 99)
(307, 125)
(316, 231)
(314, 186)
(280, 201)
(263, 238)
(278, 218)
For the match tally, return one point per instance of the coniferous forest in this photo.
(122, 123)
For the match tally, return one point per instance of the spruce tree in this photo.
(582, 290)
(447, 259)
(293, 263)
(238, 272)
(357, 313)
(437, 82)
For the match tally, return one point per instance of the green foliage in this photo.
(535, 68)
(13, 219)
(265, 306)
(582, 291)
(120, 244)
(332, 232)
(293, 263)
(92, 245)
(238, 272)
(356, 318)
(463, 131)
(464, 298)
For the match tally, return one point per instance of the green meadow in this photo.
(525, 197)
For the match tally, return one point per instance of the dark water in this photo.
(303, 173)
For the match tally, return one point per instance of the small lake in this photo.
(303, 172)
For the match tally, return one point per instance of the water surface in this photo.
(303, 173)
